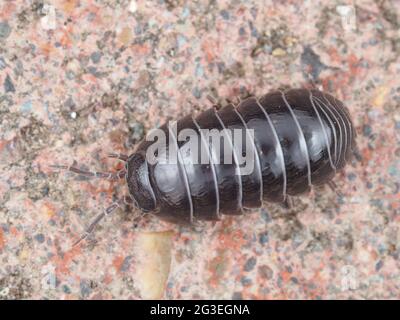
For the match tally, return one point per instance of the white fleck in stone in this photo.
(73, 115)
(364, 255)
(133, 6)
(48, 22)
(4, 292)
(348, 15)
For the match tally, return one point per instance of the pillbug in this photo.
(300, 138)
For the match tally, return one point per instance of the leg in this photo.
(245, 93)
(92, 174)
(139, 218)
(332, 185)
(118, 156)
(288, 203)
(106, 212)
(214, 101)
(357, 154)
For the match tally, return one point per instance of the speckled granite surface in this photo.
(79, 79)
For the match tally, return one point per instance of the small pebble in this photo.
(278, 52)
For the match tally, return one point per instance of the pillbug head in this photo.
(138, 181)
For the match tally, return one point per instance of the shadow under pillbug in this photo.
(301, 138)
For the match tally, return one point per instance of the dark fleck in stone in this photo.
(178, 67)
(143, 81)
(254, 32)
(265, 215)
(39, 238)
(265, 272)
(5, 29)
(126, 264)
(352, 176)
(237, 296)
(221, 67)
(96, 56)
(19, 68)
(2, 63)
(311, 63)
(196, 92)
(138, 30)
(250, 264)
(294, 280)
(263, 238)
(379, 265)
(66, 289)
(136, 131)
(110, 100)
(93, 71)
(85, 288)
(242, 31)
(225, 14)
(70, 75)
(246, 281)
(8, 85)
(367, 130)
(377, 203)
(69, 103)
(373, 42)
(45, 191)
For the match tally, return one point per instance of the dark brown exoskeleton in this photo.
(300, 138)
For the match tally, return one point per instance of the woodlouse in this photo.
(301, 138)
